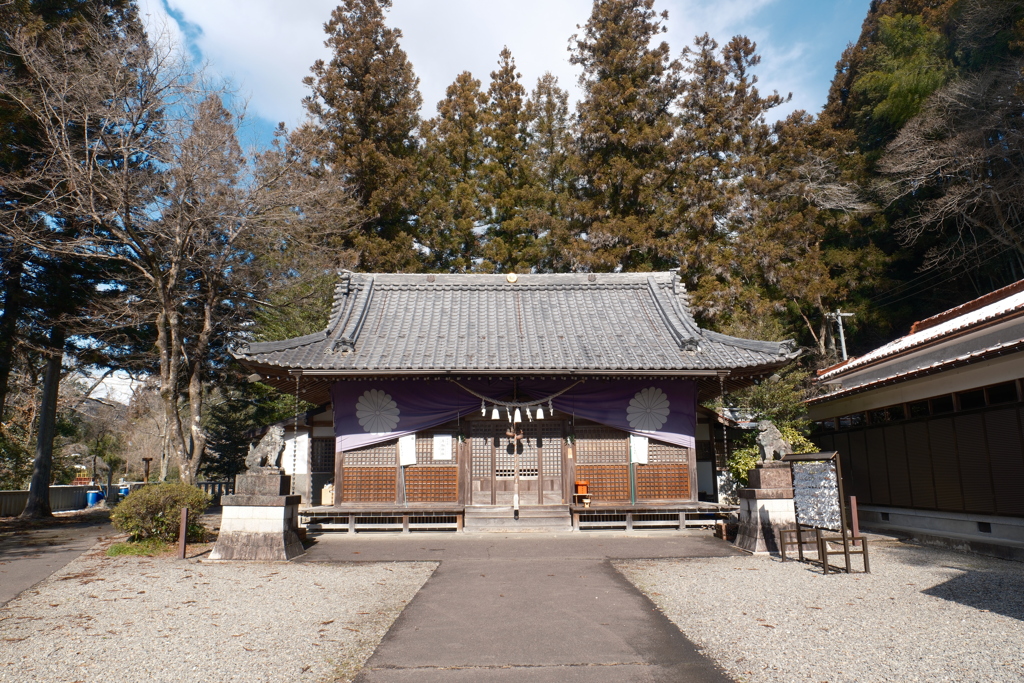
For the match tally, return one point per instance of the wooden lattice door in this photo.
(493, 466)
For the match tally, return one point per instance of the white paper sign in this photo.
(407, 450)
(816, 494)
(442, 446)
(638, 449)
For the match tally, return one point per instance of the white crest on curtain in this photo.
(648, 410)
(377, 412)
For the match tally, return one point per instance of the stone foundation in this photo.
(766, 508)
(259, 522)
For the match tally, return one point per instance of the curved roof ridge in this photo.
(586, 322)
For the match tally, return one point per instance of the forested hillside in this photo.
(137, 234)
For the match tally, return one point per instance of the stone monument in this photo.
(766, 504)
(260, 521)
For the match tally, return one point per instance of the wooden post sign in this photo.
(818, 499)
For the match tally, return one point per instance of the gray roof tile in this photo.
(469, 323)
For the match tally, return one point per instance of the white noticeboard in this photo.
(638, 449)
(816, 494)
(407, 450)
(442, 446)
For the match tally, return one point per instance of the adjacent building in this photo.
(929, 426)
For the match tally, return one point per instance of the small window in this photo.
(829, 424)
(855, 420)
(942, 404)
(321, 459)
(971, 399)
(886, 414)
(1002, 393)
(919, 409)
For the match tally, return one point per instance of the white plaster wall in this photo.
(295, 459)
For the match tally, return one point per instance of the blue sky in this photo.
(265, 47)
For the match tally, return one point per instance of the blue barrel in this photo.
(93, 497)
(124, 490)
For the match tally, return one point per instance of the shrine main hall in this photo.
(542, 400)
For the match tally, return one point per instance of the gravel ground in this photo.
(161, 619)
(922, 615)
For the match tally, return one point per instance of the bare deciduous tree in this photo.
(144, 154)
(960, 163)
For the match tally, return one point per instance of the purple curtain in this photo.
(372, 411)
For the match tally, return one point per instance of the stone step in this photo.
(531, 518)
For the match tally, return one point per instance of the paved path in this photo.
(27, 557)
(529, 607)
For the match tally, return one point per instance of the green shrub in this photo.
(154, 511)
(742, 460)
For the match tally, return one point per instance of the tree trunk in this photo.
(13, 295)
(38, 505)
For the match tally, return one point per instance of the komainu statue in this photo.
(770, 441)
(263, 457)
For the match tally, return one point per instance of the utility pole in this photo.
(838, 316)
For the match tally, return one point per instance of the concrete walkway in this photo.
(529, 607)
(29, 556)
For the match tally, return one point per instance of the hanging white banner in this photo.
(638, 449)
(407, 450)
(442, 446)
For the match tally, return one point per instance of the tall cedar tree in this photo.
(452, 156)
(550, 155)
(625, 128)
(364, 107)
(512, 243)
(719, 153)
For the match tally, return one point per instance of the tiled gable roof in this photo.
(485, 323)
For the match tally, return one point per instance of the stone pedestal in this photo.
(260, 521)
(766, 507)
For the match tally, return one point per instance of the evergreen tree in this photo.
(364, 107)
(512, 243)
(453, 154)
(720, 153)
(624, 133)
(550, 161)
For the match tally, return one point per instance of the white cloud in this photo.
(265, 47)
(443, 40)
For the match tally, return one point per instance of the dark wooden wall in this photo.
(599, 455)
(970, 461)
